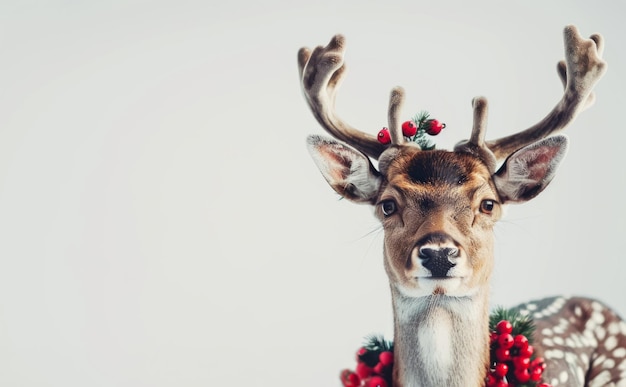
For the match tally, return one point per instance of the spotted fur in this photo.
(582, 340)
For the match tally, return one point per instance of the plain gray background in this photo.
(161, 223)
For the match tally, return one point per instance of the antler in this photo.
(321, 72)
(581, 70)
(476, 144)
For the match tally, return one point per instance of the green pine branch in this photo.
(421, 121)
(378, 343)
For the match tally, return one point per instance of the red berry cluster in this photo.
(373, 369)
(410, 128)
(512, 361)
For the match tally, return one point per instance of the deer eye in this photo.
(388, 207)
(486, 206)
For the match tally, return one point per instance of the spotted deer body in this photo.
(438, 209)
(582, 340)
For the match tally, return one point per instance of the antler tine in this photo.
(581, 70)
(321, 72)
(396, 100)
(479, 130)
(476, 144)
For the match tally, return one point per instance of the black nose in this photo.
(438, 260)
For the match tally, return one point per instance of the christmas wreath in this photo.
(513, 362)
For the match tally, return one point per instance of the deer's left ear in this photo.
(348, 171)
(529, 170)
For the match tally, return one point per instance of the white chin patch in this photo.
(440, 285)
(425, 286)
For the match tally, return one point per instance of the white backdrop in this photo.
(161, 223)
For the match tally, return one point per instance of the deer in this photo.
(438, 209)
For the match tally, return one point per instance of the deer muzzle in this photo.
(435, 254)
(439, 260)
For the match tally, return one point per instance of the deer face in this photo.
(437, 208)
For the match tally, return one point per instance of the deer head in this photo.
(438, 208)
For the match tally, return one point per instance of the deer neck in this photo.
(441, 340)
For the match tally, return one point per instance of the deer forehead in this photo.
(439, 174)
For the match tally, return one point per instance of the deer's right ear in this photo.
(348, 171)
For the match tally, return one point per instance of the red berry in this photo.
(493, 337)
(535, 373)
(504, 327)
(361, 351)
(434, 127)
(379, 368)
(544, 385)
(383, 136)
(521, 362)
(409, 128)
(522, 375)
(501, 383)
(503, 354)
(505, 341)
(490, 380)
(350, 379)
(538, 362)
(375, 381)
(344, 375)
(363, 370)
(501, 369)
(386, 358)
(520, 341)
(526, 352)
